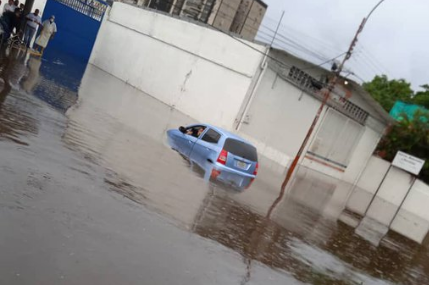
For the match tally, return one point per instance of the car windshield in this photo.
(241, 149)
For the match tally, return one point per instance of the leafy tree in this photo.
(387, 92)
(411, 135)
(422, 97)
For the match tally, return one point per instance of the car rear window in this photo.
(241, 149)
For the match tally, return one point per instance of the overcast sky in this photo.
(395, 40)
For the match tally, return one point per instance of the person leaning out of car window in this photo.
(195, 132)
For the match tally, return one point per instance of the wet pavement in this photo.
(91, 193)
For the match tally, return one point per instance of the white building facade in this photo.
(267, 96)
(280, 112)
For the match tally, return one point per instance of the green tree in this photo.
(422, 97)
(387, 92)
(411, 135)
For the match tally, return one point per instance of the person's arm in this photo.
(17, 25)
(54, 32)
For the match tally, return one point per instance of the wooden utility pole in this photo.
(326, 95)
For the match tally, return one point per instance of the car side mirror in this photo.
(182, 129)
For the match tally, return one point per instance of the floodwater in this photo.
(91, 193)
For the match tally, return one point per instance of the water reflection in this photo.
(54, 82)
(33, 76)
(301, 236)
(373, 217)
(15, 118)
(123, 130)
(118, 138)
(60, 78)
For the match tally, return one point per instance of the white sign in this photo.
(408, 162)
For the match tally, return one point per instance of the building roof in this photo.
(262, 3)
(376, 112)
(371, 101)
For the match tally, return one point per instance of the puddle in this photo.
(91, 187)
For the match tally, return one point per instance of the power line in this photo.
(266, 34)
(286, 41)
(374, 59)
(358, 77)
(233, 37)
(316, 66)
(364, 61)
(298, 46)
(295, 33)
(292, 32)
(356, 65)
(325, 62)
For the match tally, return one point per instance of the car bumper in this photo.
(222, 167)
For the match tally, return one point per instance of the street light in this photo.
(327, 92)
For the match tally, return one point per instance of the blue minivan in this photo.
(222, 150)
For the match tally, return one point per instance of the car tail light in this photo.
(223, 156)
(256, 169)
(215, 173)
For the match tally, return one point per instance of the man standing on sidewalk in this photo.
(48, 32)
(9, 6)
(33, 21)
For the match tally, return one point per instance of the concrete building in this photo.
(248, 18)
(270, 100)
(277, 114)
(269, 97)
(241, 17)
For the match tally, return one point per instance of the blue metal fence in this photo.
(78, 23)
(91, 8)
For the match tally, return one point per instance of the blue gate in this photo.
(78, 23)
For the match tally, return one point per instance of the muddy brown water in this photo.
(92, 194)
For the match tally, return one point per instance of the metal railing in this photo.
(91, 8)
(339, 103)
(313, 87)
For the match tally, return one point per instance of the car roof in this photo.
(226, 133)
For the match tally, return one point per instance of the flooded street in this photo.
(91, 193)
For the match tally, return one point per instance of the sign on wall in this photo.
(408, 162)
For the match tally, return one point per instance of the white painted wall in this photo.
(373, 174)
(418, 200)
(327, 170)
(389, 196)
(40, 4)
(341, 89)
(201, 72)
(278, 118)
(362, 155)
(367, 185)
(412, 218)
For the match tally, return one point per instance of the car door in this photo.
(206, 148)
(186, 142)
